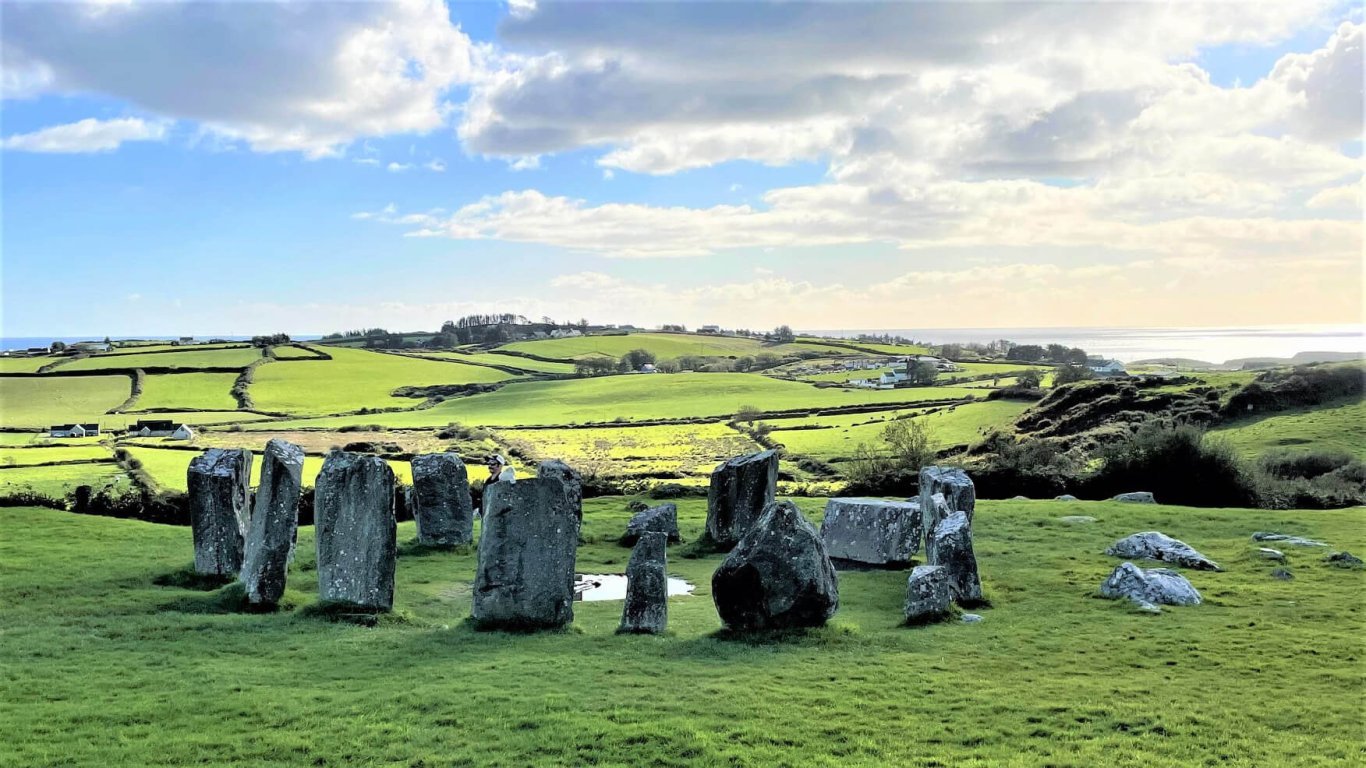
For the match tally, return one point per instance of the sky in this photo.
(249, 167)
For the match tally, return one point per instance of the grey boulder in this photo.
(952, 548)
(1136, 497)
(1152, 587)
(927, 594)
(741, 489)
(971, 618)
(661, 519)
(871, 531)
(219, 485)
(274, 523)
(1153, 545)
(647, 586)
(356, 532)
(958, 492)
(1344, 560)
(1065, 497)
(1077, 519)
(440, 500)
(1282, 574)
(1267, 553)
(527, 548)
(778, 576)
(1286, 539)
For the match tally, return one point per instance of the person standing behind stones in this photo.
(500, 471)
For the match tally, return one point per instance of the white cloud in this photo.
(1346, 197)
(245, 71)
(436, 165)
(398, 167)
(88, 135)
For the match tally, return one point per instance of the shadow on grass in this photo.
(703, 546)
(795, 636)
(348, 613)
(413, 548)
(229, 599)
(517, 628)
(930, 619)
(186, 578)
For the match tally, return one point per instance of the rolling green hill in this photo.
(41, 402)
(1338, 427)
(664, 346)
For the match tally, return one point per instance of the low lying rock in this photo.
(927, 594)
(1076, 519)
(1155, 586)
(871, 531)
(1271, 554)
(952, 549)
(971, 618)
(1282, 574)
(1136, 497)
(778, 576)
(1286, 539)
(1065, 497)
(1344, 560)
(1154, 545)
(647, 587)
(661, 519)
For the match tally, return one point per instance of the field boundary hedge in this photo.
(139, 379)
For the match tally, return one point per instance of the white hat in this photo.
(498, 457)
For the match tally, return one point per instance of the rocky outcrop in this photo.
(1148, 588)
(956, 494)
(661, 519)
(647, 586)
(1065, 497)
(741, 489)
(1153, 545)
(527, 548)
(1136, 497)
(440, 500)
(1286, 539)
(1267, 553)
(1345, 560)
(274, 523)
(778, 576)
(871, 531)
(952, 549)
(927, 594)
(353, 508)
(219, 485)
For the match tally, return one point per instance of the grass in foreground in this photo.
(103, 667)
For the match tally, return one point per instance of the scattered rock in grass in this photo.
(1286, 539)
(274, 523)
(741, 489)
(219, 485)
(1076, 519)
(1154, 586)
(637, 505)
(527, 547)
(952, 548)
(958, 495)
(1271, 554)
(1019, 498)
(357, 537)
(662, 519)
(1344, 560)
(1136, 497)
(778, 576)
(971, 618)
(440, 500)
(1065, 497)
(1282, 574)
(927, 594)
(871, 531)
(1153, 545)
(647, 586)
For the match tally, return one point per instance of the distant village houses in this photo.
(73, 430)
(1106, 367)
(161, 428)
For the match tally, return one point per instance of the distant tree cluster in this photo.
(357, 334)
(675, 328)
(271, 340)
(782, 334)
(1057, 354)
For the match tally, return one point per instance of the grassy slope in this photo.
(355, 379)
(60, 480)
(190, 358)
(167, 466)
(664, 345)
(633, 398)
(492, 358)
(210, 391)
(107, 669)
(1340, 427)
(24, 457)
(964, 424)
(689, 448)
(24, 364)
(872, 347)
(35, 402)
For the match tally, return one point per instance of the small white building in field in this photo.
(74, 430)
(182, 432)
(1106, 367)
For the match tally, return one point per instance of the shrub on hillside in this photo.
(1179, 465)
(1301, 386)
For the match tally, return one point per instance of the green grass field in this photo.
(191, 358)
(24, 364)
(167, 466)
(210, 391)
(355, 379)
(494, 358)
(41, 438)
(58, 481)
(869, 346)
(1340, 427)
(26, 457)
(631, 398)
(286, 352)
(105, 668)
(688, 448)
(962, 425)
(41, 402)
(665, 346)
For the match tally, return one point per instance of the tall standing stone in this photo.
(647, 586)
(356, 531)
(778, 576)
(527, 547)
(572, 480)
(871, 531)
(440, 500)
(274, 523)
(957, 490)
(219, 483)
(952, 549)
(741, 489)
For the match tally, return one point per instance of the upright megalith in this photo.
(778, 576)
(661, 519)
(527, 546)
(572, 480)
(274, 523)
(647, 586)
(353, 510)
(440, 500)
(958, 492)
(928, 596)
(871, 531)
(952, 549)
(219, 483)
(741, 489)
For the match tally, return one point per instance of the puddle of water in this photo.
(592, 587)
